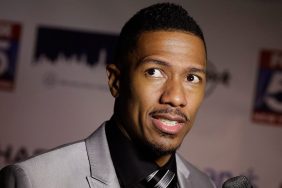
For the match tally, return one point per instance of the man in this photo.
(158, 81)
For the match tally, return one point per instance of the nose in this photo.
(174, 94)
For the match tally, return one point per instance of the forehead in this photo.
(170, 45)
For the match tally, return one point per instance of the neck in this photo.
(161, 161)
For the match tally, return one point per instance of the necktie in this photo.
(161, 179)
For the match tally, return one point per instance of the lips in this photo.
(168, 123)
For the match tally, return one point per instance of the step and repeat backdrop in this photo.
(53, 87)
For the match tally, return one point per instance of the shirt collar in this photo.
(130, 164)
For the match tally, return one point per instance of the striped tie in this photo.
(161, 179)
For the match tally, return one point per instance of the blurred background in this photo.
(53, 85)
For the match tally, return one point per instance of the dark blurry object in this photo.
(237, 182)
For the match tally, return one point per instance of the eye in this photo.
(153, 72)
(193, 78)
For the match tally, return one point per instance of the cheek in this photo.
(195, 101)
(146, 91)
(146, 97)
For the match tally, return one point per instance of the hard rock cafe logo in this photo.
(215, 77)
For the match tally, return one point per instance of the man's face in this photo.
(163, 89)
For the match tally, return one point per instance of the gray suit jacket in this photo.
(84, 164)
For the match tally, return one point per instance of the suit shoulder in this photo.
(58, 156)
(198, 178)
(69, 148)
(52, 168)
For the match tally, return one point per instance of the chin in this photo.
(161, 149)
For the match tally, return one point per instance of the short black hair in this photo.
(161, 16)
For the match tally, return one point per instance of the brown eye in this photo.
(153, 72)
(193, 78)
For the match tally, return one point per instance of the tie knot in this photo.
(162, 178)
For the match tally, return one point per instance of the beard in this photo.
(153, 150)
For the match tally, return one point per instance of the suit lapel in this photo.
(183, 173)
(101, 165)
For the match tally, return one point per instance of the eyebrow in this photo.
(155, 61)
(198, 70)
(163, 63)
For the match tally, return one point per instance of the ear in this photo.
(113, 74)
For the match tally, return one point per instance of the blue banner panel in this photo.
(268, 99)
(9, 45)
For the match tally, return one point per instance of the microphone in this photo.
(237, 182)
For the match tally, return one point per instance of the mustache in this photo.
(172, 111)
